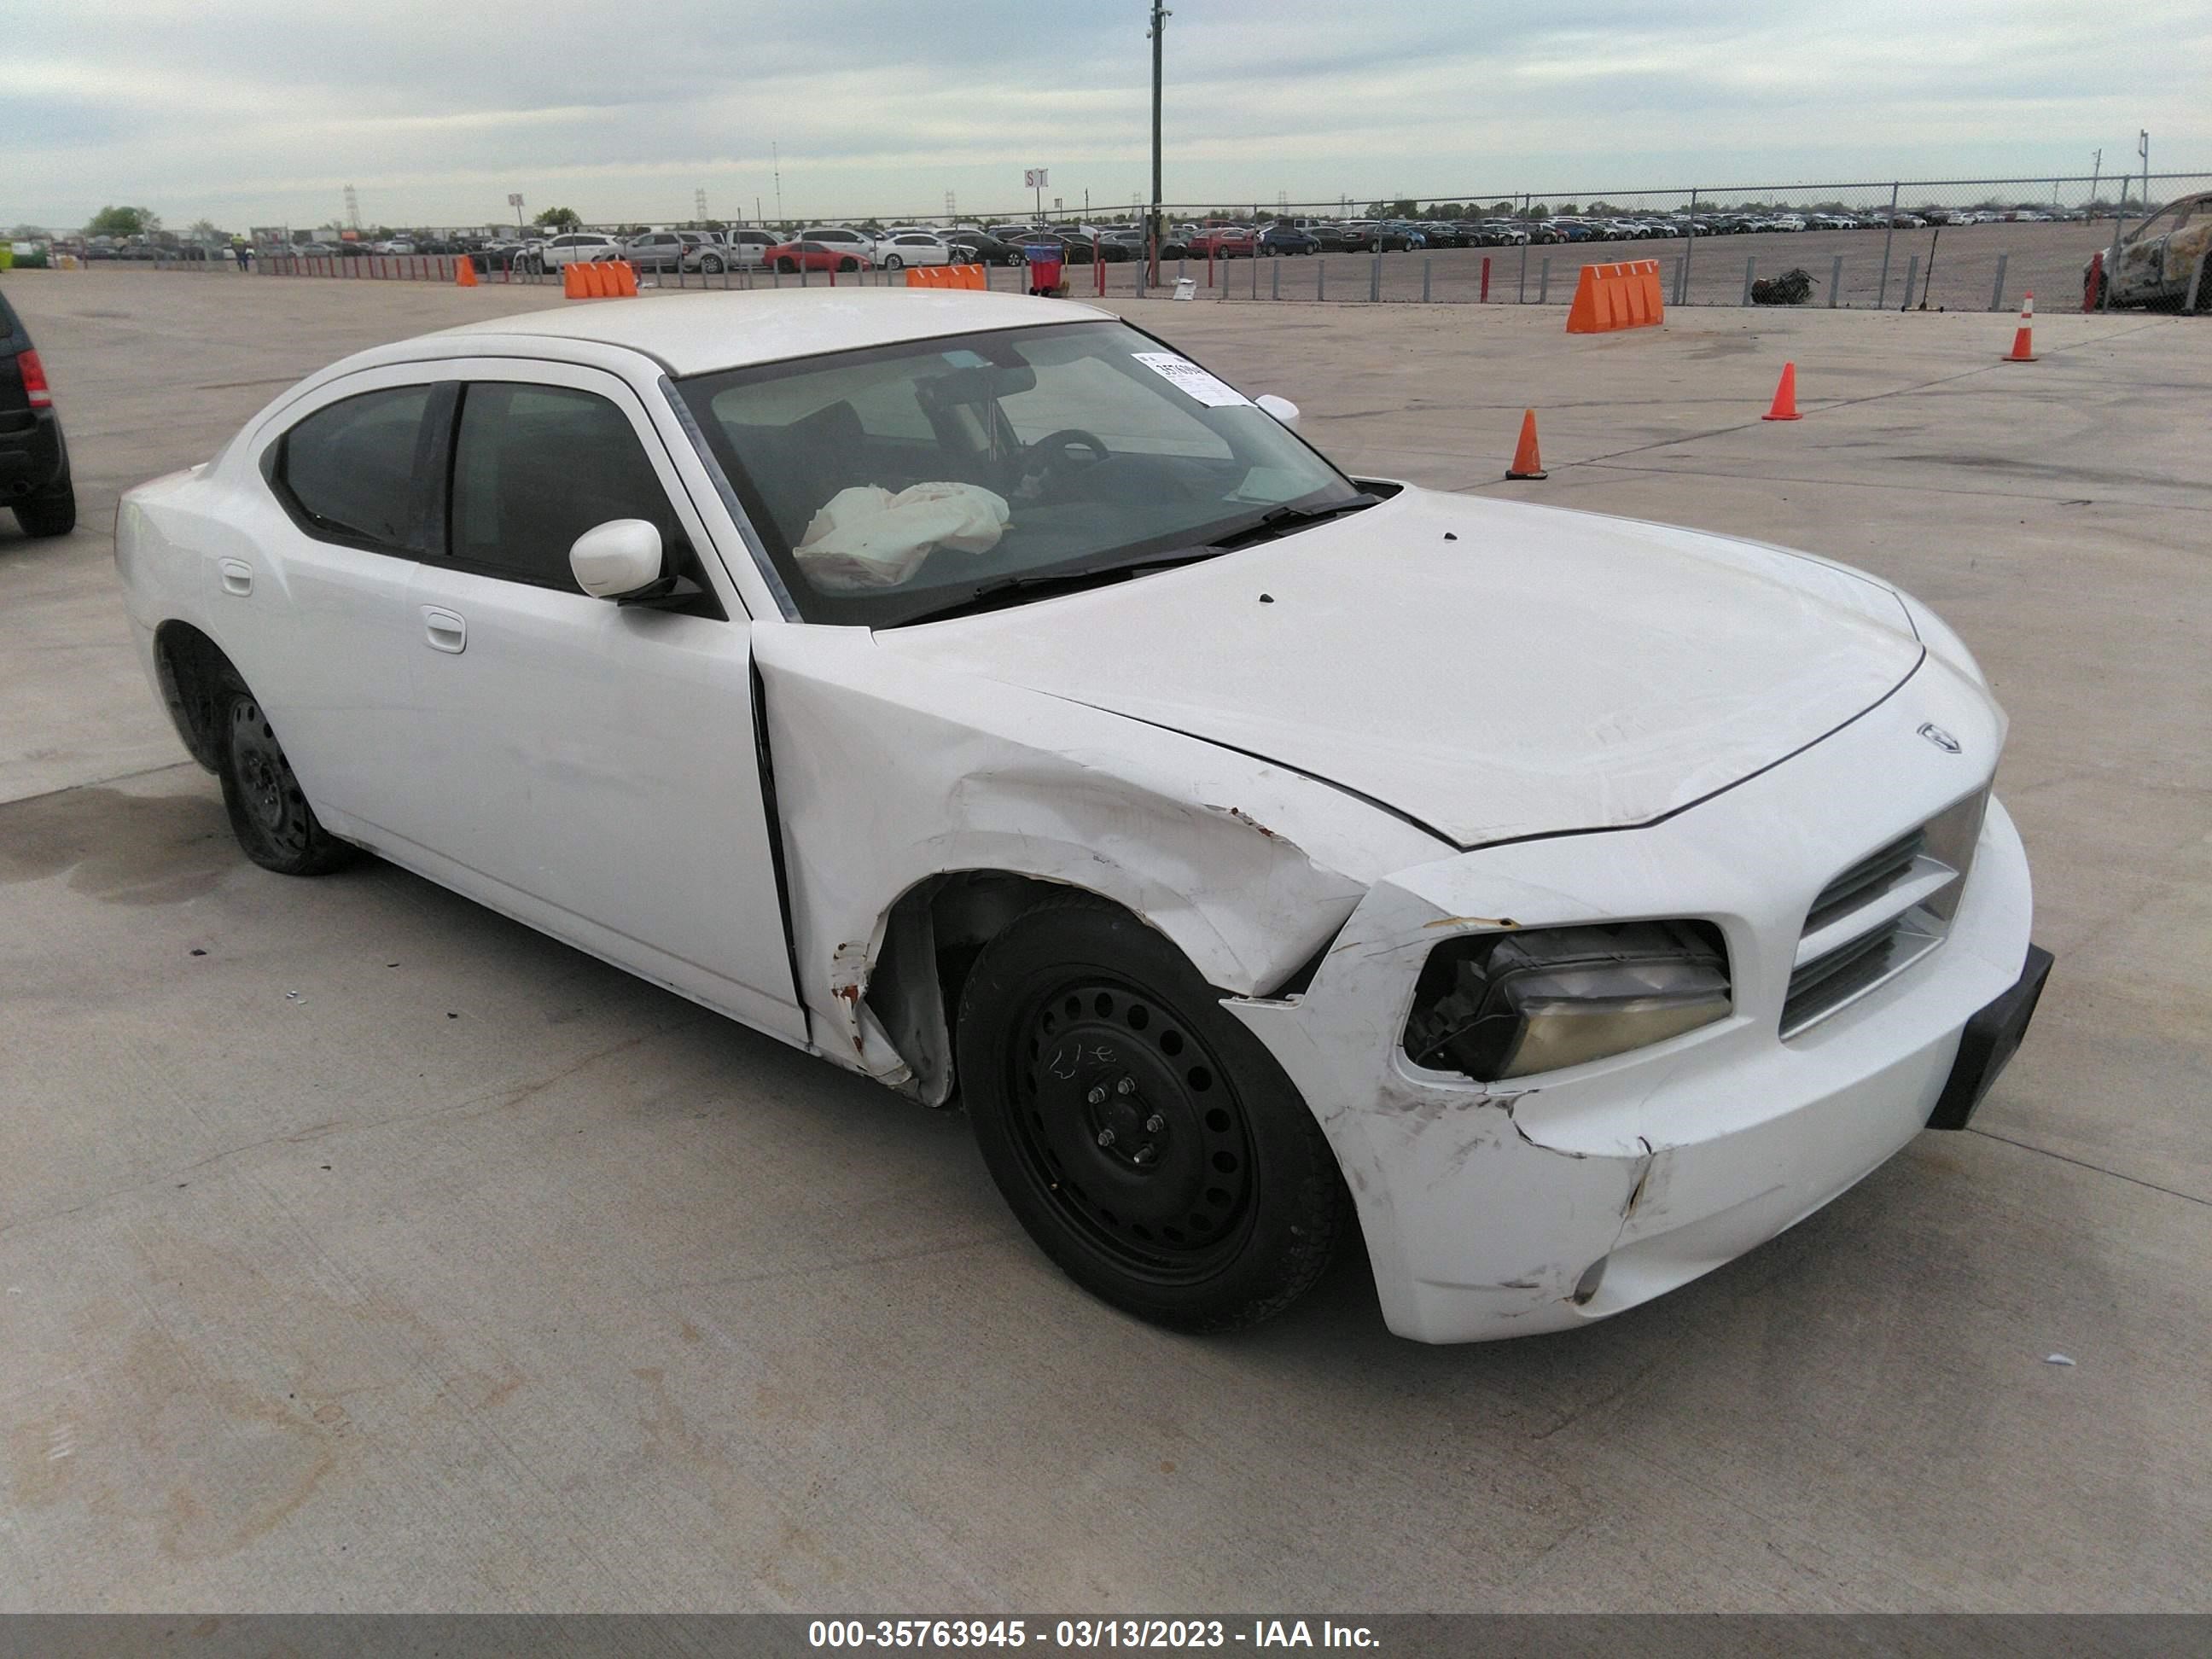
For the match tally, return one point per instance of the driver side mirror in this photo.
(1285, 411)
(616, 559)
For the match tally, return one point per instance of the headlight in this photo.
(1506, 1004)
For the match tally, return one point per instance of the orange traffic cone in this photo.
(2023, 338)
(1527, 463)
(464, 272)
(1785, 397)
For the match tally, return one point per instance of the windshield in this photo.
(892, 482)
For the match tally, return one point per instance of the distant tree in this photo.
(204, 230)
(1569, 209)
(1535, 210)
(28, 233)
(559, 218)
(124, 221)
(1501, 209)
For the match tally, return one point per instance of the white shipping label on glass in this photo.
(1213, 392)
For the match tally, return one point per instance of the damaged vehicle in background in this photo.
(976, 692)
(2158, 264)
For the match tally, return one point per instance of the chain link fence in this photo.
(1939, 245)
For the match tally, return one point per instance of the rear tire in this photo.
(849, 264)
(269, 813)
(51, 514)
(1144, 1139)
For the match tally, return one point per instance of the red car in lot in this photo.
(1225, 242)
(813, 256)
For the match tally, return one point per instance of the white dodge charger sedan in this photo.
(974, 690)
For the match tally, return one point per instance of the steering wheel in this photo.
(1053, 454)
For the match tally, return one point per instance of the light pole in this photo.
(2096, 171)
(1160, 16)
(2142, 149)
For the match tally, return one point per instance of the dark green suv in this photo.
(34, 469)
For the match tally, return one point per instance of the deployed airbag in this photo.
(865, 536)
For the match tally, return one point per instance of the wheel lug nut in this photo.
(1105, 1137)
(1128, 1085)
(1097, 1096)
(1154, 1123)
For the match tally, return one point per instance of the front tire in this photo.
(1147, 1141)
(268, 811)
(849, 264)
(51, 515)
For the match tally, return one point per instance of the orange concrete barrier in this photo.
(625, 279)
(947, 276)
(1624, 295)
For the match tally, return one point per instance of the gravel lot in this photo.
(388, 1255)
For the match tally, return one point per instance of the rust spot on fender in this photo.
(1246, 820)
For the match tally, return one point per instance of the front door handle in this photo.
(237, 576)
(446, 631)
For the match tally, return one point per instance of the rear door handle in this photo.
(446, 631)
(237, 576)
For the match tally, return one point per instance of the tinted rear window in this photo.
(349, 470)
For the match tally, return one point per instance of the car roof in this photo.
(691, 334)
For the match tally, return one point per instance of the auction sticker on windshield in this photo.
(1181, 371)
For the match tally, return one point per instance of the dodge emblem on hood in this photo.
(1942, 739)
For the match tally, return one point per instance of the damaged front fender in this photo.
(891, 775)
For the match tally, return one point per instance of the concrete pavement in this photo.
(388, 1255)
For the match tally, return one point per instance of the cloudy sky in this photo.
(259, 111)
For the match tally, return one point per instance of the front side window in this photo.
(348, 472)
(899, 481)
(534, 467)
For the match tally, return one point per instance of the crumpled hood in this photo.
(1490, 669)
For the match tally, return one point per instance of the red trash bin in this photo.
(1044, 267)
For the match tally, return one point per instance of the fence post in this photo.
(1141, 263)
(1275, 281)
(1835, 281)
(1321, 277)
(1689, 242)
(2112, 254)
(2196, 284)
(1680, 273)
(1425, 279)
(1911, 275)
(1543, 279)
(1996, 293)
(1888, 235)
(1524, 260)
(1375, 272)
(1749, 261)
(1485, 279)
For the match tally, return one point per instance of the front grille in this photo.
(1881, 915)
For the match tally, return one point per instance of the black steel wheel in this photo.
(268, 811)
(1147, 1142)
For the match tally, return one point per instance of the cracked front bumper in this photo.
(1565, 1197)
